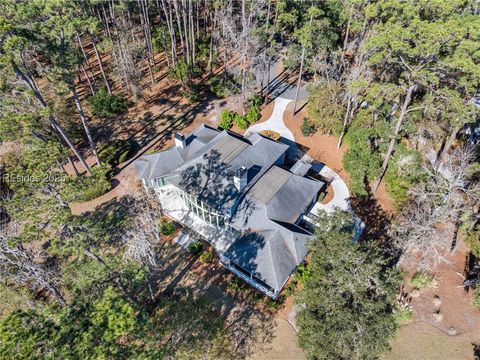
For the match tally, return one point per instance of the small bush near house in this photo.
(235, 284)
(167, 228)
(226, 119)
(195, 247)
(256, 297)
(206, 257)
(302, 274)
(290, 290)
(255, 101)
(275, 304)
(85, 188)
(115, 152)
(307, 128)
(423, 280)
(103, 104)
(253, 114)
(270, 134)
(240, 121)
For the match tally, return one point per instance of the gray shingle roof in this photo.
(271, 245)
(270, 255)
(272, 206)
(209, 175)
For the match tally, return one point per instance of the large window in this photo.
(203, 211)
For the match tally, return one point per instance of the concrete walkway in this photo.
(340, 189)
(275, 121)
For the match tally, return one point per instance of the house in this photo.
(241, 197)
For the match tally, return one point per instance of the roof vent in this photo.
(240, 178)
(180, 141)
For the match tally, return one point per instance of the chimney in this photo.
(180, 141)
(240, 178)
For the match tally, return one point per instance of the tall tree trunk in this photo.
(345, 121)
(72, 164)
(84, 70)
(408, 98)
(53, 122)
(171, 31)
(100, 64)
(299, 80)
(192, 31)
(448, 144)
(302, 61)
(91, 142)
(92, 90)
(147, 37)
(210, 51)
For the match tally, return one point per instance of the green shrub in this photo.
(115, 152)
(85, 188)
(470, 230)
(302, 274)
(222, 86)
(402, 316)
(423, 280)
(193, 93)
(256, 297)
(167, 228)
(226, 119)
(476, 298)
(195, 247)
(255, 101)
(103, 104)
(292, 287)
(206, 257)
(307, 128)
(180, 71)
(275, 304)
(253, 115)
(235, 284)
(240, 121)
(402, 174)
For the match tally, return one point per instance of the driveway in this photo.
(275, 123)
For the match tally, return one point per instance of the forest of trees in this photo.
(393, 80)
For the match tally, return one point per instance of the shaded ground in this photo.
(181, 273)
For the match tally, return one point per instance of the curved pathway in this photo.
(341, 193)
(275, 121)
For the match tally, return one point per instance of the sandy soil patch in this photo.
(422, 341)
